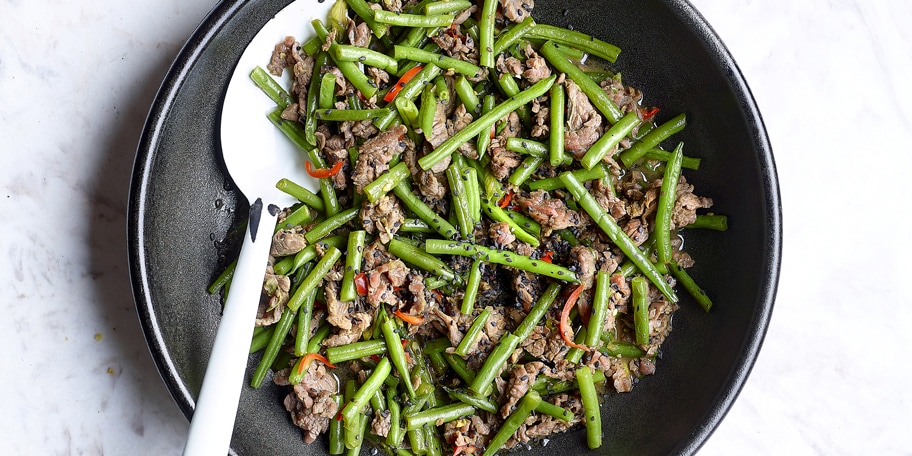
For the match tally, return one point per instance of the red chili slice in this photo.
(564, 326)
(410, 319)
(361, 283)
(310, 357)
(505, 201)
(401, 83)
(647, 114)
(548, 256)
(321, 173)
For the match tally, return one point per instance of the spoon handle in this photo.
(216, 407)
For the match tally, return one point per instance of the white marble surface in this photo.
(830, 77)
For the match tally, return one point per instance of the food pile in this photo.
(495, 243)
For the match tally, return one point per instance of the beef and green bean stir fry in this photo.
(495, 245)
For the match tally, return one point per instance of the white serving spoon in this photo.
(257, 156)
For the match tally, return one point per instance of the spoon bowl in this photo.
(256, 155)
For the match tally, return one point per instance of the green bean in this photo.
(501, 215)
(525, 222)
(386, 182)
(525, 170)
(525, 407)
(306, 255)
(502, 257)
(537, 312)
(557, 113)
(596, 95)
(293, 132)
(261, 340)
(316, 341)
(471, 291)
(316, 275)
(349, 115)
(470, 175)
(609, 140)
(556, 411)
(690, 285)
(590, 407)
(710, 221)
(348, 53)
(472, 334)
(355, 253)
(438, 345)
(486, 33)
(350, 70)
(439, 415)
(575, 354)
(419, 55)
(300, 193)
(355, 350)
(481, 403)
(411, 225)
(322, 229)
(663, 155)
(467, 95)
(510, 88)
(302, 335)
(640, 290)
(513, 34)
(599, 308)
(420, 259)
(355, 436)
(545, 385)
(484, 140)
(336, 431)
(272, 349)
(410, 91)
(327, 97)
(373, 383)
(459, 201)
(408, 112)
(270, 87)
(582, 175)
(445, 6)
(427, 111)
(394, 437)
(366, 13)
(494, 363)
(312, 99)
(442, 91)
(614, 232)
(484, 122)
(417, 441)
(666, 204)
(652, 139)
(312, 46)
(460, 368)
(222, 278)
(528, 146)
(397, 354)
(412, 20)
(423, 211)
(582, 41)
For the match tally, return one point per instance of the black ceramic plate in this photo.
(183, 206)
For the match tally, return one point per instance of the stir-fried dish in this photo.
(495, 245)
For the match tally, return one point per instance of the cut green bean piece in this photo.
(366, 13)
(581, 41)
(481, 403)
(494, 363)
(501, 215)
(473, 333)
(614, 232)
(557, 114)
(582, 175)
(411, 90)
(524, 408)
(596, 95)
(270, 87)
(327, 96)
(301, 194)
(652, 139)
(486, 33)
(525, 170)
(591, 411)
(528, 147)
(537, 312)
(419, 55)
(355, 350)
(556, 411)
(349, 115)
(355, 253)
(412, 20)
(386, 182)
(272, 349)
(397, 354)
(640, 290)
(663, 155)
(471, 292)
(336, 431)
(352, 411)
(322, 229)
(316, 275)
(502, 257)
(445, 6)
(599, 308)
(420, 259)
(484, 122)
(662, 230)
(690, 285)
(439, 415)
(609, 140)
(423, 211)
(710, 222)
(513, 34)
(348, 53)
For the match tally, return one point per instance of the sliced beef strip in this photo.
(552, 213)
(359, 35)
(536, 66)
(272, 304)
(522, 378)
(375, 154)
(383, 217)
(584, 123)
(282, 55)
(310, 402)
(287, 242)
(517, 10)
